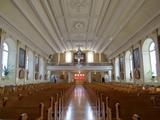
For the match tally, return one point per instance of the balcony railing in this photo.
(83, 64)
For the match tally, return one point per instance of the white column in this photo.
(69, 77)
(17, 62)
(89, 77)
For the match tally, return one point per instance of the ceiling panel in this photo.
(59, 25)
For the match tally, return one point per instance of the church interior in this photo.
(79, 60)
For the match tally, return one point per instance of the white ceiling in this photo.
(59, 25)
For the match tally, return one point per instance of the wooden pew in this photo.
(132, 98)
(29, 102)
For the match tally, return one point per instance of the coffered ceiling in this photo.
(60, 25)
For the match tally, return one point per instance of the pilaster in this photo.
(17, 62)
(141, 63)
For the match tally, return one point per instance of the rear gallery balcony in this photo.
(85, 66)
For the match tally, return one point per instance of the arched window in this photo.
(90, 56)
(9, 59)
(5, 57)
(68, 57)
(128, 66)
(149, 60)
(152, 52)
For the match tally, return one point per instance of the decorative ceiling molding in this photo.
(78, 26)
(79, 4)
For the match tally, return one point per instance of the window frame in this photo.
(3, 51)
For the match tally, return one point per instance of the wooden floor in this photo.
(79, 107)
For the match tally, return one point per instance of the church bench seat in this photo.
(131, 102)
(30, 103)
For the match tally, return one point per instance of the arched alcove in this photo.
(149, 60)
(128, 66)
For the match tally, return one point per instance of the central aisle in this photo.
(79, 106)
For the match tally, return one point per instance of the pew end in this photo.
(4, 101)
(23, 116)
